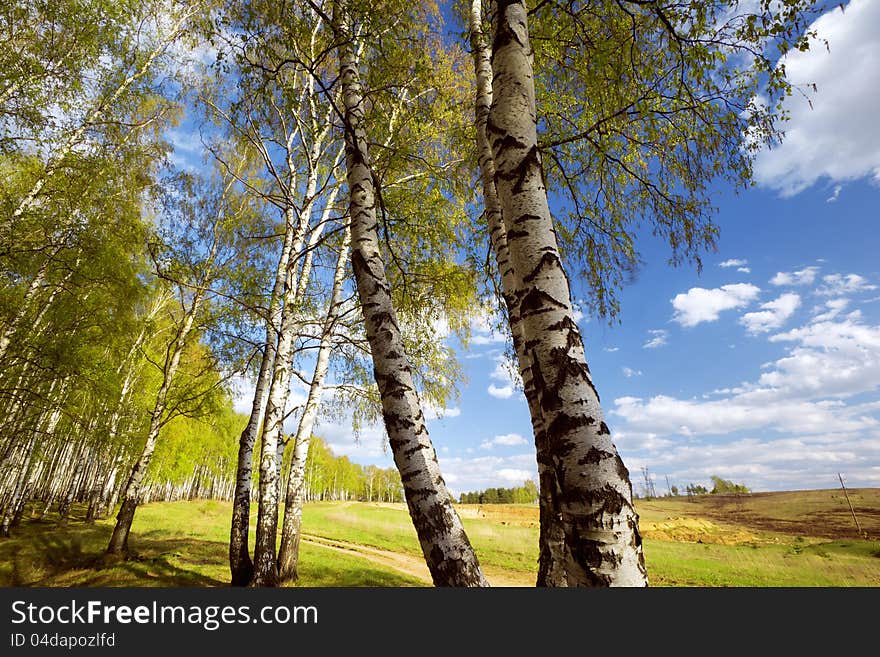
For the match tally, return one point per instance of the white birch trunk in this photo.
(240, 563)
(288, 555)
(551, 562)
(448, 553)
(603, 544)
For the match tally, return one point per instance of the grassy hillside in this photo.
(800, 538)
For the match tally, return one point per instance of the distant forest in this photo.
(525, 494)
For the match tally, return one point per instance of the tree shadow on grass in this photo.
(45, 554)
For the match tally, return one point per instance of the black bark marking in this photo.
(595, 456)
(537, 301)
(622, 472)
(521, 171)
(504, 33)
(515, 233)
(563, 425)
(605, 431)
(548, 260)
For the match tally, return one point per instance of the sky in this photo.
(763, 368)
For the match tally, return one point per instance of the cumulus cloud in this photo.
(629, 372)
(503, 392)
(701, 305)
(506, 375)
(733, 262)
(744, 270)
(483, 330)
(801, 418)
(804, 276)
(435, 412)
(835, 139)
(772, 315)
(834, 306)
(658, 339)
(612, 349)
(504, 440)
(478, 473)
(839, 285)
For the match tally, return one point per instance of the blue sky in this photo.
(763, 368)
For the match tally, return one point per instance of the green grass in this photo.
(173, 544)
(502, 546)
(185, 544)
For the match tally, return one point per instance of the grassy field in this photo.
(800, 538)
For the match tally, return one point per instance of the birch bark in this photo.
(288, 556)
(551, 560)
(603, 544)
(447, 550)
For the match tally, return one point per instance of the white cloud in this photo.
(483, 329)
(504, 440)
(701, 305)
(628, 372)
(733, 262)
(838, 285)
(835, 307)
(805, 276)
(506, 374)
(744, 270)
(612, 349)
(774, 314)
(660, 337)
(835, 194)
(478, 473)
(436, 413)
(836, 138)
(803, 391)
(514, 476)
(504, 392)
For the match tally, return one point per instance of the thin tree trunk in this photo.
(551, 562)
(288, 555)
(447, 550)
(133, 487)
(265, 565)
(603, 544)
(240, 563)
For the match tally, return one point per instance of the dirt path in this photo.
(410, 565)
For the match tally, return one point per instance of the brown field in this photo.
(731, 519)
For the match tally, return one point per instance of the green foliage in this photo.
(525, 494)
(331, 477)
(725, 487)
(642, 106)
(696, 489)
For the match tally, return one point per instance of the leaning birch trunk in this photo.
(288, 554)
(448, 552)
(551, 560)
(603, 544)
(134, 485)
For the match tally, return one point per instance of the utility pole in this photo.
(851, 509)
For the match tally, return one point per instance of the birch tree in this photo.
(602, 540)
(445, 545)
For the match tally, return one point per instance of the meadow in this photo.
(788, 539)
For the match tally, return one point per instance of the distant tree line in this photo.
(720, 486)
(525, 494)
(331, 477)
